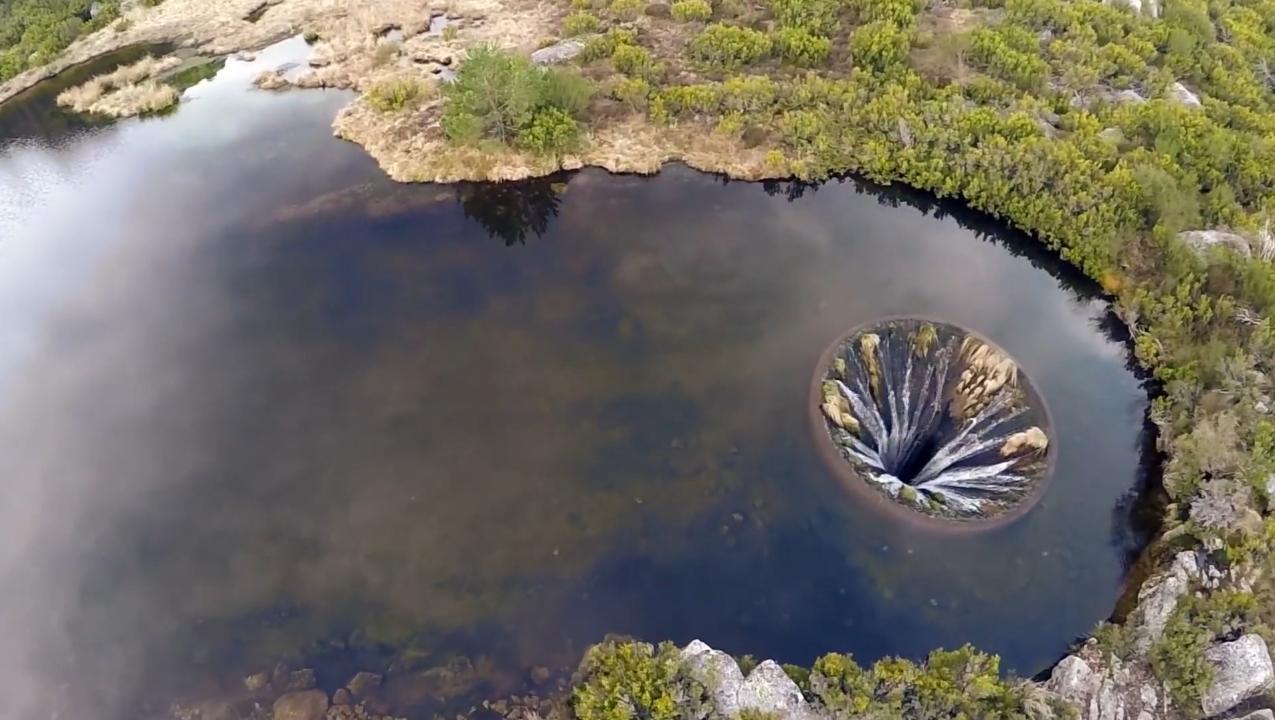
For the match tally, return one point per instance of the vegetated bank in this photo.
(1139, 143)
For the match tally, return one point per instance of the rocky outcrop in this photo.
(766, 690)
(558, 53)
(1241, 670)
(1102, 687)
(1201, 240)
(1182, 95)
(1159, 597)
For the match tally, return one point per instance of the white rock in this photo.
(768, 689)
(1202, 240)
(558, 53)
(717, 672)
(1181, 94)
(1241, 670)
(1260, 715)
(1071, 678)
(1158, 598)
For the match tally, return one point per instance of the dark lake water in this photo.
(257, 403)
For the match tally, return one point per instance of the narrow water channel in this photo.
(257, 403)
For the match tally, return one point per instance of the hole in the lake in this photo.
(936, 418)
(420, 459)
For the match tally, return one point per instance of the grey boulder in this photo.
(1241, 670)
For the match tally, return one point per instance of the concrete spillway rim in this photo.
(868, 495)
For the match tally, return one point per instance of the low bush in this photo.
(397, 94)
(580, 23)
(880, 45)
(801, 47)
(814, 16)
(627, 9)
(729, 47)
(633, 92)
(550, 131)
(691, 10)
(604, 45)
(636, 62)
(627, 680)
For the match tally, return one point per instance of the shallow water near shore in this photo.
(259, 404)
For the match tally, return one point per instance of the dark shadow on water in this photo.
(512, 211)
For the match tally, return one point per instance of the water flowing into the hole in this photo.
(939, 419)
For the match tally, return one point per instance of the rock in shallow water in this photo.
(304, 705)
(1241, 670)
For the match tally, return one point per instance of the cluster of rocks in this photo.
(293, 695)
(766, 690)
(1104, 687)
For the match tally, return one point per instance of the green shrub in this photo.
(960, 683)
(899, 12)
(1010, 55)
(692, 10)
(396, 94)
(801, 47)
(683, 101)
(500, 96)
(635, 61)
(729, 47)
(880, 45)
(633, 92)
(627, 681)
(627, 9)
(580, 23)
(550, 132)
(604, 45)
(33, 32)
(814, 16)
(747, 94)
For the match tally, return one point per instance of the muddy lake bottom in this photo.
(259, 404)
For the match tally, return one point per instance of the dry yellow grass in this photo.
(129, 90)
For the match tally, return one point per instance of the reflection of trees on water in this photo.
(511, 211)
(984, 226)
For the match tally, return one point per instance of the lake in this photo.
(260, 404)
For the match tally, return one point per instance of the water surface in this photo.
(258, 403)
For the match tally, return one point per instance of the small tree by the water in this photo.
(505, 97)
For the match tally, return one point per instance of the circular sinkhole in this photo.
(934, 419)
